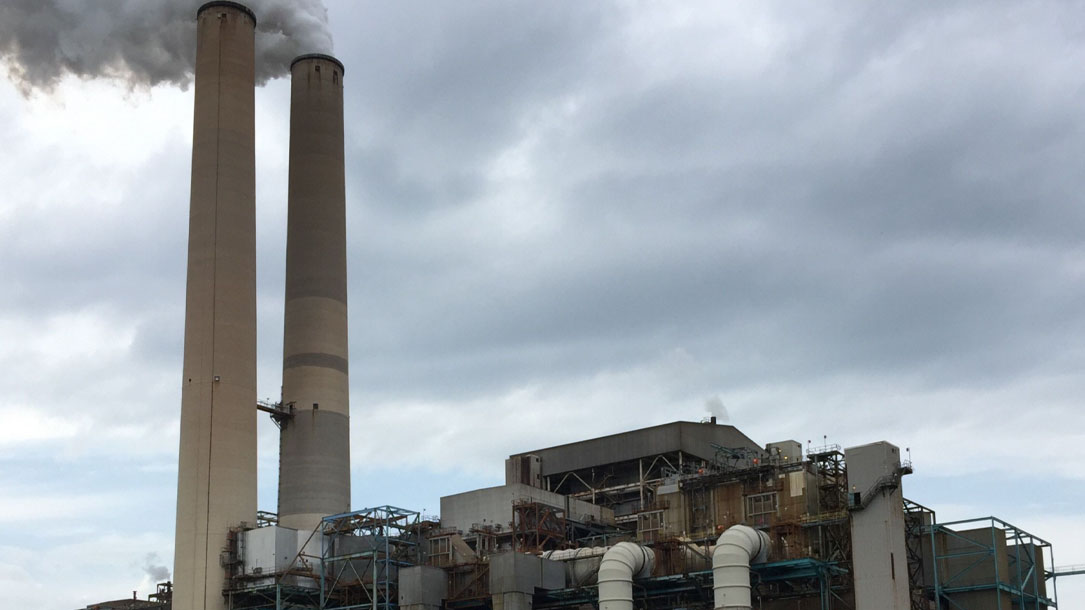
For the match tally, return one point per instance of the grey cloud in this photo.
(442, 84)
(831, 211)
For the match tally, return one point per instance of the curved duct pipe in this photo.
(620, 565)
(581, 565)
(575, 554)
(697, 558)
(735, 550)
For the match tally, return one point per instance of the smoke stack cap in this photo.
(318, 56)
(227, 4)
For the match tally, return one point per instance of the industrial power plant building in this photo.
(683, 515)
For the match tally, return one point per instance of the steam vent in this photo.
(692, 515)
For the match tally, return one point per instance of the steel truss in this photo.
(916, 519)
(537, 527)
(362, 552)
(970, 564)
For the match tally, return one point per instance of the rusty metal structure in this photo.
(537, 527)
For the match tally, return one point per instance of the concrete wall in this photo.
(525, 469)
(785, 451)
(422, 587)
(879, 554)
(493, 505)
(274, 550)
(268, 550)
(523, 573)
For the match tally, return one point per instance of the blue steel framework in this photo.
(794, 572)
(391, 535)
(1023, 582)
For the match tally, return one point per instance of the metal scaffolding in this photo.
(627, 487)
(917, 518)
(362, 552)
(277, 596)
(831, 522)
(798, 579)
(469, 585)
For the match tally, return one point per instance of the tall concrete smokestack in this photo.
(314, 446)
(216, 479)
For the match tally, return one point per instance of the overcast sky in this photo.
(845, 221)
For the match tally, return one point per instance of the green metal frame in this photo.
(1021, 546)
(394, 534)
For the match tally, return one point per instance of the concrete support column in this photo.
(513, 600)
(422, 588)
(879, 554)
(515, 576)
(314, 453)
(216, 480)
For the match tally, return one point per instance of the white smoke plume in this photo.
(715, 408)
(142, 42)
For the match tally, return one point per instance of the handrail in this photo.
(889, 481)
(1071, 570)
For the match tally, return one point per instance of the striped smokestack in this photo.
(216, 479)
(314, 449)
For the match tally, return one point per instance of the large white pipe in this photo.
(620, 565)
(581, 565)
(575, 554)
(735, 550)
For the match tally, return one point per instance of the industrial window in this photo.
(440, 551)
(760, 506)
